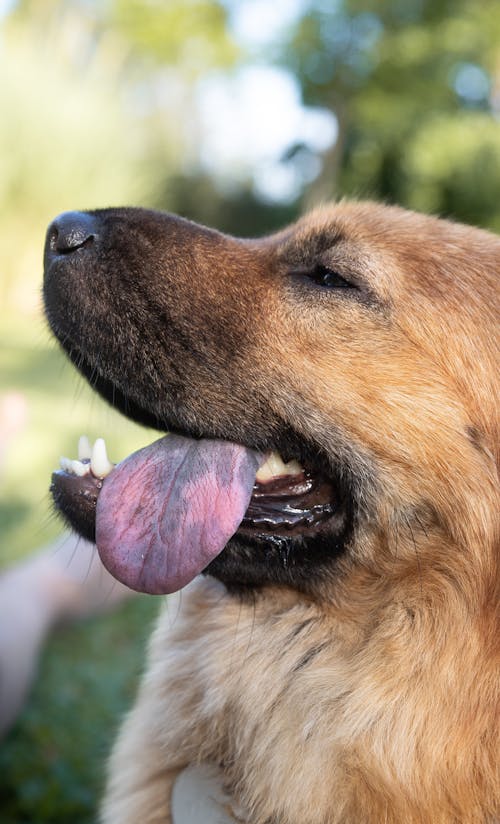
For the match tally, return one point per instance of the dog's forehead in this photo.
(389, 227)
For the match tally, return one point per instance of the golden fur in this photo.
(375, 700)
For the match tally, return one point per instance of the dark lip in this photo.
(75, 499)
(290, 505)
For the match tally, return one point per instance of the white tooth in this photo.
(84, 449)
(270, 468)
(293, 468)
(65, 463)
(263, 475)
(79, 468)
(275, 467)
(276, 464)
(99, 462)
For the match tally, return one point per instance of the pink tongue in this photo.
(167, 510)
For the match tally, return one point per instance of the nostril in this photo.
(71, 231)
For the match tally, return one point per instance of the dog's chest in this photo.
(238, 689)
(228, 659)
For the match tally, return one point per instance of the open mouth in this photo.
(166, 512)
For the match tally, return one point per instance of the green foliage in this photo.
(415, 87)
(52, 763)
(456, 164)
(191, 33)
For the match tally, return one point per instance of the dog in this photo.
(331, 471)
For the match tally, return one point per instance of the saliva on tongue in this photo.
(167, 510)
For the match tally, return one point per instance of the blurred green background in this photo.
(239, 114)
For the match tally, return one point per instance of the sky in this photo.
(258, 22)
(259, 117)
(6, 6)
(259, 110)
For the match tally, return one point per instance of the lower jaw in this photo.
(253, 559)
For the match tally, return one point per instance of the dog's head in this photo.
(359, 345)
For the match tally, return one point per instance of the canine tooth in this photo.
(275, 467)
(272, 467)
(84, 449)
(99, 462)
(79, 468)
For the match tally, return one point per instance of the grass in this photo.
(51, 763)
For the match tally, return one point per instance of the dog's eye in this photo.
(329, 278)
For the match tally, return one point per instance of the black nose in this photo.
(70, 231)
